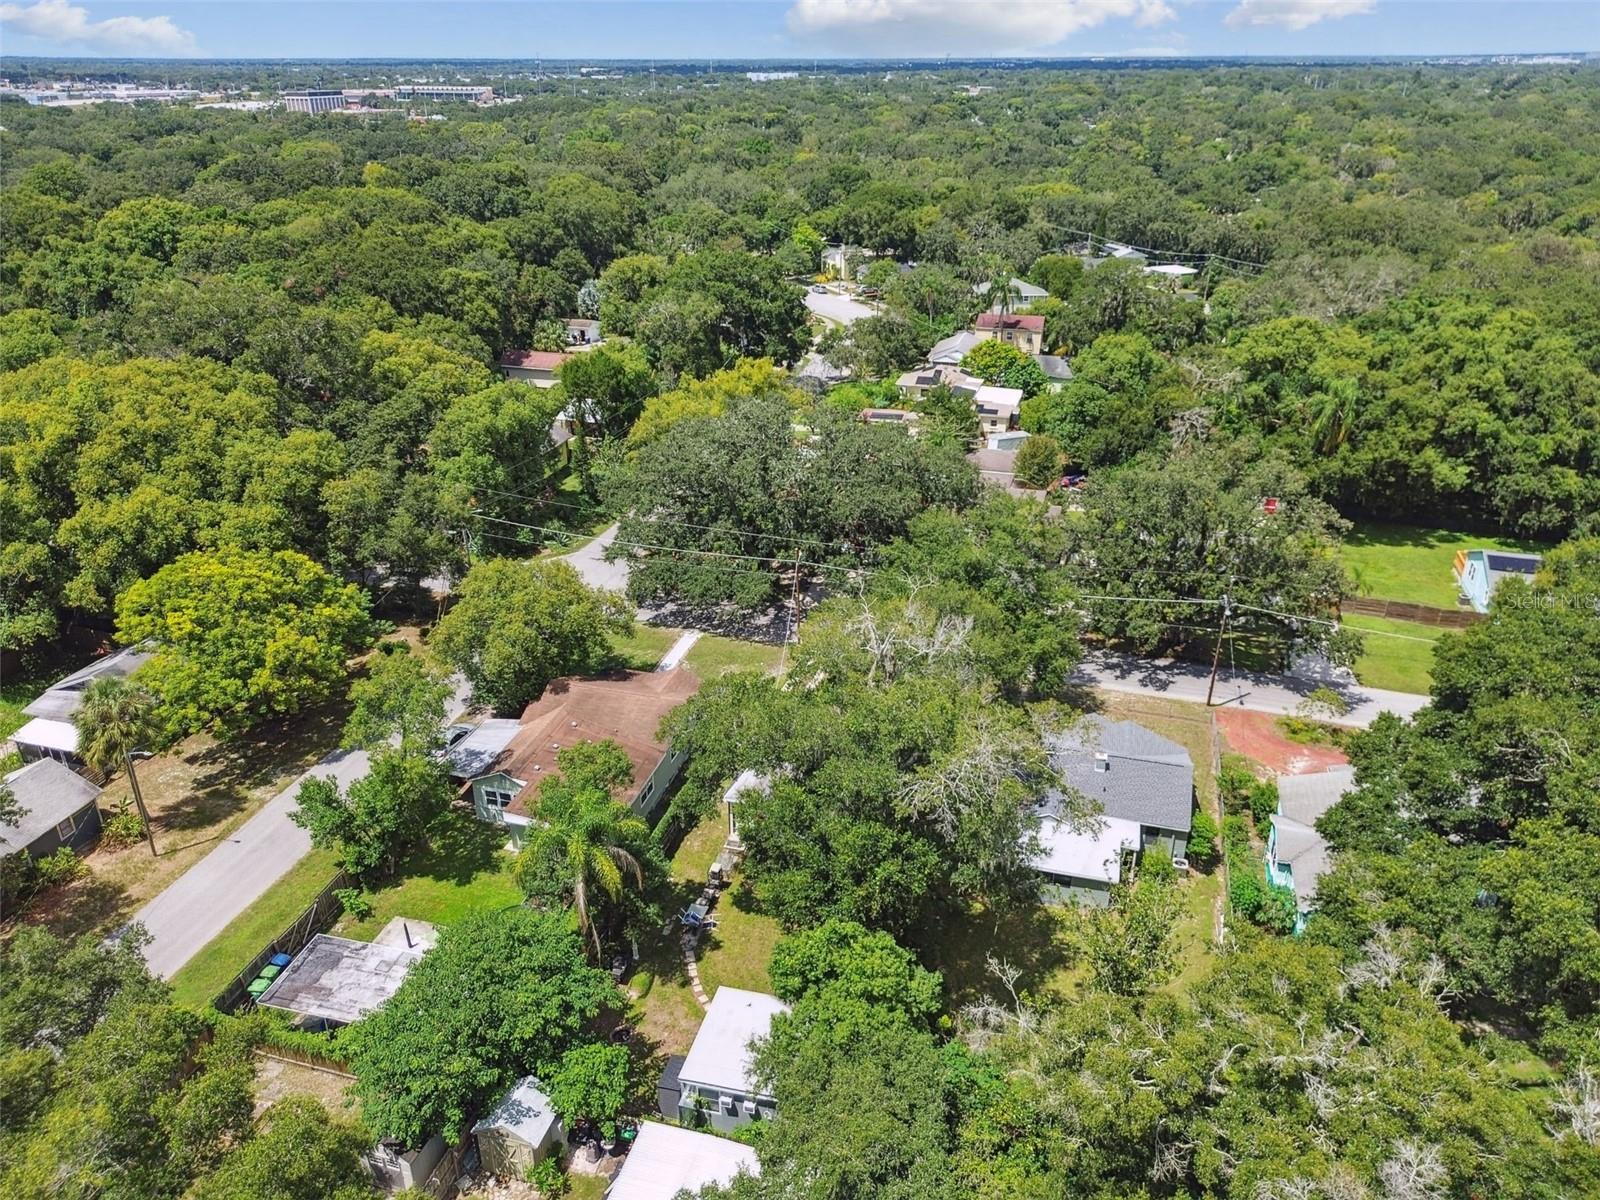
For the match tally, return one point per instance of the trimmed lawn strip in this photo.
(199, 980)
(712, 656)
(643, 647)
(462, 871)
(1394, 663)
(1413, 564)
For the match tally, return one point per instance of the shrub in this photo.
(61, 867)
(1234, 782)
(1263, 801)
(1039, 461)
(123, 827)
(1201, 849)
(547, 1178)
(354, 902)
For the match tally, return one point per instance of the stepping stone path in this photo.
(692, 969)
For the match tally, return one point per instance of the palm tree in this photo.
(114, 716)
(584, 851)
(1334, 413)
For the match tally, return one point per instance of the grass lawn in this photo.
(1200, 895)
(1412, 564)
(462, 870)
(1392, 662)
(712, 656)
(200, 979)
(643, 647)
(735, 954)
(1036, 939)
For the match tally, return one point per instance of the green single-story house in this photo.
(59, 808)
(1143, 787)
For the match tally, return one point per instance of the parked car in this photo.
(818, 288)
(1070, 483)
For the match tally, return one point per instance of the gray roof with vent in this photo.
(1146, 778)
(61, 699)
(48, 793)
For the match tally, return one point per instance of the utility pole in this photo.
(1216, 654)
(138, 797)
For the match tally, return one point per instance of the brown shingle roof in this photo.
(1010, 321)
(626, 708)
(533, 360)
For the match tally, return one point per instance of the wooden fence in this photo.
(317, 917)
(1424, 614)
(304, 1058)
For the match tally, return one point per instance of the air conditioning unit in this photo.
(749, 1108)
(1180, 864)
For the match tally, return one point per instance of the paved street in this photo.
(841, 310)
(589, 561)
(1244, 689)
(202, 901)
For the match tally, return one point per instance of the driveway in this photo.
(206, 898)
(589, 561)
(1276, 694)
(841, 310)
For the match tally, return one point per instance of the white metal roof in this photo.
(474, 754)
(666, 1160)
(524, 1111)
(48, 735)
(720, 1058)
(750, 782)
(1176, 270)
(1092, 854)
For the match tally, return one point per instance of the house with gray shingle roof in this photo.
(58, 808)
(1143, 786)
(1297, 855)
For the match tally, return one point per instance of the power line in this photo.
(904, 578)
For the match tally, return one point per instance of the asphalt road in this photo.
(1278, 694)
(201, 902)
(841, 310)
(589, 561)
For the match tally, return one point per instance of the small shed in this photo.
(522, 1129)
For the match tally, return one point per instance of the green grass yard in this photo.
(462, 871)
(1412, 564)
(200, 979)
(712, 656)
(1394, 662)
(642, 648)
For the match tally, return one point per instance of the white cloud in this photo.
(1295, 14)
(961, 27)
(68, 26)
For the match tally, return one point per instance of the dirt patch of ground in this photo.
(1257, 736)
(198, 793)
(277, 1079)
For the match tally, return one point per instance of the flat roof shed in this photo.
(340, 980)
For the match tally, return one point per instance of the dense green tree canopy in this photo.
(516, 625)
(503, 994)
(242, 635)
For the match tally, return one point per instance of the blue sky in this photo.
(789, 28)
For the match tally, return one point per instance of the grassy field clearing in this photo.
(1413, 564)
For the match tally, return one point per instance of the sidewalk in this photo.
(1277, 694)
